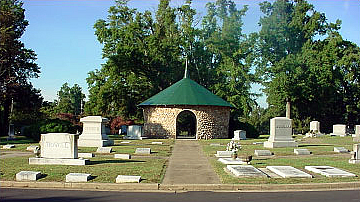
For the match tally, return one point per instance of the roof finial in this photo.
(186, 74)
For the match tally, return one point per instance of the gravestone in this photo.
(11, 132)
(329, 171)
(315, 126)
(355, 154)
(28, 176)
(58, 149)
(122, 156)
(156, 142)
(134, 132)
(222, 154)
(125, 142)
(280, 133)
(94, 132)
(86, 155)
(263, 153)
(104, 150)
(340, 150)
(339, 130)
(245, 171)
(357, 134)
(8, 146)
(32, 148)
(215, 144)
(231, 161)
(239, 135)
(128, 179)
(302, 152)
(78, 177)
(143, 151)
(288, 172)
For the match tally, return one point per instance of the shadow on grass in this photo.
(16, 140)
(315, 145)
(113, 161)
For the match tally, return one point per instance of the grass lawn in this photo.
(104, 167)
(322, 154)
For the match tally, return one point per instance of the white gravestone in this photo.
(315, 126)
(288, 172)
(134, 132)
(58, 149)
(128, 179)
(222, 154)
(94, 132)
(280, 133)
(156, 142)
(28, 176)
(215, 144)
(32, 148)
(357, 134)
(263, 153)
(104, 150)
(122, 156)
(339, 130)
(355, 154)
(78, 177)
(245, 171)
(8, 146)
(143, 151)
(86, 155)
(231, 161)
(329, 171)
(302, 152)
(340, 150)
(239, 135)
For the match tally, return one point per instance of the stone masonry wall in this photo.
(211, 121)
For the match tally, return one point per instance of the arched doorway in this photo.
(186, 125)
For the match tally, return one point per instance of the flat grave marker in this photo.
(122, 156)
(156, 142)
(231, 161)
(223, 154)
(245, 171)
(329, 171)
(8, 146)
(302, 152)
(86, 155)
(32, 148)
(28, 176)
(128, 179)
(288, 172)
(104, 150)
(340, 150)
(215, 144)
(78, 177)
(143, 151)
(263, 153)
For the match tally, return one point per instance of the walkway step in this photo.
(188, 165)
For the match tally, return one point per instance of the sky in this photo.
(61, 34)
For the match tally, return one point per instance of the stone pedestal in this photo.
(339, 130)
(280, 133)
(94, 134)
(357, 134)
(355, 155)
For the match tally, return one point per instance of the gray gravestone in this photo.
(28, 176)
(143, 151)
(122, 156)
(340, 150)
(104, 150)
(85, 155)
(77, 177)
(302, 152)
(215, 144)
(94, 132)
(280, 133)
(329, 171)
(128, 179)
(223, 154)
(245, 171)
(239, 135)
(288, 172)
(134, 132)
(156, 142)
(8, 146)
(262, 153)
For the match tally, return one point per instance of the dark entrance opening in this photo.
(186, 125)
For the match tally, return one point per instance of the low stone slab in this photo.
(224, 154)
(8, 146)
(156, 142)
(263, 153)
(258, 143)
(143, 151)
(50, 161)
(78, 177)
(104, 150)
(245, 171)
(28, 176)
(302, 152)
(231, 161)
(86, 155)
(329, 171)
(125, 142)
(128, 179)
(32, 148)
(215, 144)
(122, 156)
(288, 172)
(340, 150)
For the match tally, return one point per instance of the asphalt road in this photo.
(74, 195)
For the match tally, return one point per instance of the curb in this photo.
(153, 187)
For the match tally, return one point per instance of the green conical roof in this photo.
(186, 92)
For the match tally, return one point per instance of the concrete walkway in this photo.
(189, 165)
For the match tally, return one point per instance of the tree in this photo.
(17, 64)
(70, 99)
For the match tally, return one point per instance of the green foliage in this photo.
(49, 126)
(17, 64)
(70, 99)
(235, 124)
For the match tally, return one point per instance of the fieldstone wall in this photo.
(211, 121)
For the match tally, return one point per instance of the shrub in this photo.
(251, 131)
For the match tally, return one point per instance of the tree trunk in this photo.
(5, 118)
